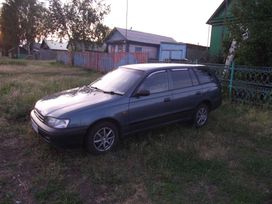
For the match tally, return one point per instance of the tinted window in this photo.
(181, 78)
(193, 77)
(203, 76)
(156, 82)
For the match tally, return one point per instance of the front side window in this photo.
(155, 82)
(181, 78)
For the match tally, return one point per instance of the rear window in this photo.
(203, 76)
(181, 78)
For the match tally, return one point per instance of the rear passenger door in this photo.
(184, 92)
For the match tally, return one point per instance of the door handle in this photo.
(167, 100)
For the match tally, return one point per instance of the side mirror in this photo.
(142, 92)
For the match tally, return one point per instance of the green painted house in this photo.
(219, 30)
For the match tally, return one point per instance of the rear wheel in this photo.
(102, 138)
(201, 115)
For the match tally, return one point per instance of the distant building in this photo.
(18, 52)
(122, 40)
(219, 29)
(48, 49)
(83, 46)
(53, 45)
(196, 53)
(183, 52)
(172, 52)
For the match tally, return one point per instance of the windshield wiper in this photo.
(113, 93)
(107, 92)
(97, 89)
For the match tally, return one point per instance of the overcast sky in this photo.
(184, 20)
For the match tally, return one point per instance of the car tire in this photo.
(102, 138)
(201, 115)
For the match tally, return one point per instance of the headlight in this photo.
(57, 123)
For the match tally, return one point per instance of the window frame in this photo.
(197, 76)
(172, 80)
(138, 49)
(120, 48)
(152, 74)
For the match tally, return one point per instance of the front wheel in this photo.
(102, 138)
(201, 115)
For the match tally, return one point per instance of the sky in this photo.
(183, 20)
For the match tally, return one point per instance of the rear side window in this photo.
(156, 82)
(203, 76)
(181, 78)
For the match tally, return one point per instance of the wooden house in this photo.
(48, 49)
(18, 52)
(219, 30)
(122, 40)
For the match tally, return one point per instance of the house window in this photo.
(138, 49)
(111, 48)
(120, 48)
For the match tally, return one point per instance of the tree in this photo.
(31, 21)
(9, 31)
(22, 21)
(79, 20)
(251, 27)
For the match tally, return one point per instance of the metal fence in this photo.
(251, 85)
(99, 61)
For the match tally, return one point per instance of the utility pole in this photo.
(127, 46)
(126, 18)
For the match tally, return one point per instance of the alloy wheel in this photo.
(104, 139)
(201, 116)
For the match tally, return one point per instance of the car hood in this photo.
(73, 99)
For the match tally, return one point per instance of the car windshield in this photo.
(117, 81)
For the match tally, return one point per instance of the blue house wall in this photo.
(172, 51)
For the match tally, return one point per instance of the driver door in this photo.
(151, 110)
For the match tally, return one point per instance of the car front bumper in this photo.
(67, 137)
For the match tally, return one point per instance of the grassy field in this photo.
(228, 161)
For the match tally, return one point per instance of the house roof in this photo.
(36, 46)
(16, 48)
(53, 45)
(219, 11)
(142, 37)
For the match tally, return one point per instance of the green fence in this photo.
(251, 85)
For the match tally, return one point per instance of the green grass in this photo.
(7, 61)
(54, 192)
(227, 161)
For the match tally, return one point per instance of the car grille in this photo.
(44, 136)
(39, 115)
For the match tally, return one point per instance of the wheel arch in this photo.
(111, 120)
(207, 103)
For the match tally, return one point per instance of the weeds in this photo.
(6, 61)
(228, 161)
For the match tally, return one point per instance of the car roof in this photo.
(150, 67)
